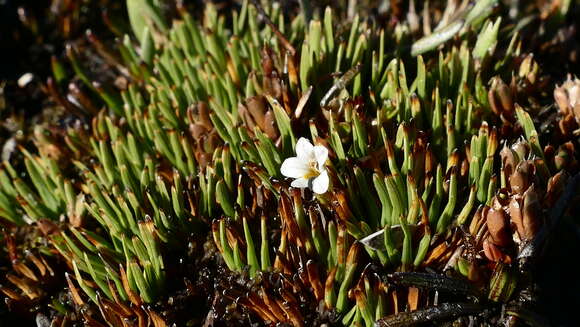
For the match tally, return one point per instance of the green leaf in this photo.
(487, 39)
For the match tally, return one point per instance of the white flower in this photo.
(307, 167)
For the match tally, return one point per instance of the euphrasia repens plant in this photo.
(268, 164)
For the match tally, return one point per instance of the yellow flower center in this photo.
(313, 171)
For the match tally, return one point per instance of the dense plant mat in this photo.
(291, 164)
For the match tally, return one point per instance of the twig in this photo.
(432, 281)
(445, 311)
(340, 84)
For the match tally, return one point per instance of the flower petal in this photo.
(321, 154)
(304, 149)
(320, 183)
(300, 183)
(294, 167)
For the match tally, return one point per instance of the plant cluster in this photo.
(441, 186)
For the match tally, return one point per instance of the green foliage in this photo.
(194, 144)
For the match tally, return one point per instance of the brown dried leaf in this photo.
(413, 298)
